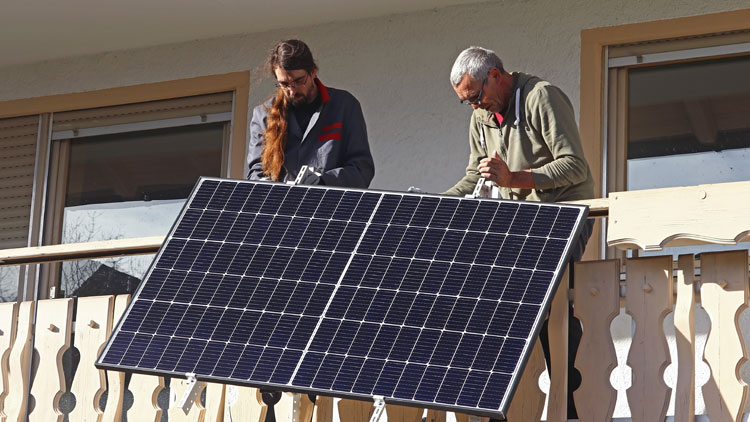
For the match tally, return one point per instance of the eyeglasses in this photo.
(296, 83)
(475, 101)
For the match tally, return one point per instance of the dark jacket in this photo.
(335, 142)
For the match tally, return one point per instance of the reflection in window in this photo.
(126, 186)
(9, 283)
(689, 124)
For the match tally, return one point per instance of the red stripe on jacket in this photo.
(328, 136)
(331, 127)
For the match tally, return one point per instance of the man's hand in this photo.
(494, 169)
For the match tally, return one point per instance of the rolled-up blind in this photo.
(198, 105)
(18, 138)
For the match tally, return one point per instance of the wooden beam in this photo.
(598, 207)
(88, 250)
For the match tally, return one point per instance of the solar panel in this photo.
(422, 299)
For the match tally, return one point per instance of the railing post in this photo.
(557, 408)
(93, 326)
(52, 337)
(648, 301)
(684, 329)
(597, 303)
(724, 294)
(8, 318)
(116, 379)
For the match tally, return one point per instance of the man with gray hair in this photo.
(524, 138)
(522, 134)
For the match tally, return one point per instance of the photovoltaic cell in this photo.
(418, 298)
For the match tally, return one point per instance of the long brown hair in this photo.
(288, 55)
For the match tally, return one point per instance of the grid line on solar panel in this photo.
(386, 285)
(333, 293)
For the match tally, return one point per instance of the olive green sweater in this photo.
(541, 135)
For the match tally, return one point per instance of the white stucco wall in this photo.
(397, 66)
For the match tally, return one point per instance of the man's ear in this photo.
(495, 73)
(314, 73)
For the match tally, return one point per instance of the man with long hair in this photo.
(307, 123)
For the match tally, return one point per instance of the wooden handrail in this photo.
(598, 207)
(87, 250)
(147, 245)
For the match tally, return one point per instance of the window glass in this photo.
(130, 185)
(9, 283)
(689, 124)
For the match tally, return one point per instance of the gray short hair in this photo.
(475, 62)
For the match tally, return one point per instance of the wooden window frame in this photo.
(594, 75)
(235, 142)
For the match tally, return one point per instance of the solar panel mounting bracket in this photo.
(379, 404)
(297, 407)
(307, 175)
(484, 189)
(192, 391)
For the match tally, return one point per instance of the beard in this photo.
(299, 99)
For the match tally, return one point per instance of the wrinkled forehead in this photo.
(283, 75)
(467, 87)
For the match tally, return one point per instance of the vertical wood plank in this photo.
(54, 320)
(145, 390)
(724, 294)
(355, 410)
(557, 408)
(93, 325)
(397, 413)
(8, 316)
(462, 417)
(435, 416)
(116, 379)
(196, 414)
(528, 400)
(323, 409)
(18, 366)
(648, 301)
(245, 404)
(597, 303)
(684, 328)
(215, 400)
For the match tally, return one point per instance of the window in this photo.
(73, 164)
(679, 117)
(689, 123)
(124, 172)
(607, 55)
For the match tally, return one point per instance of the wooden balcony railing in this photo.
(648, 290)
